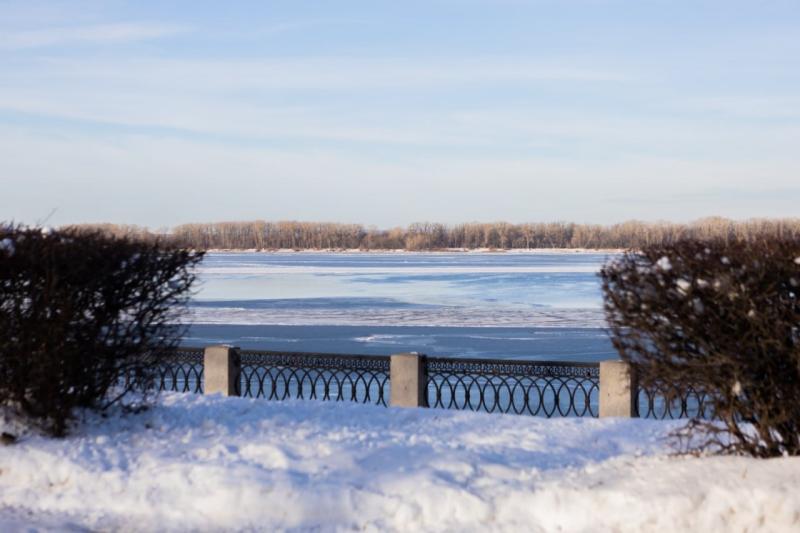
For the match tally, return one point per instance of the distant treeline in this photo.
(263, 235)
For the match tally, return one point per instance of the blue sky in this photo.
(158, 113)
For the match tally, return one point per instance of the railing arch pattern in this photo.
(541, 388)
(315, 376)
(664, 402)
(181, 371)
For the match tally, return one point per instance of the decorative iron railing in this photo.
(539, 388)
(543, 388)
(315, 376)
(664, 402)
(181, 371)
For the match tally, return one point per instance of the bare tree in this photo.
(432, 236)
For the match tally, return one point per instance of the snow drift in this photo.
(209, 463)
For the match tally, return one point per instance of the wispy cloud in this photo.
(783, 107)
(397, 111)
(325, 73)
(168, 181)
(85, 34)
(246, 98)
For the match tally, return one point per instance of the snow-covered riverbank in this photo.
(209, 463)
(440, 251)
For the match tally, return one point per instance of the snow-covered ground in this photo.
(207, 463)
(396, 251)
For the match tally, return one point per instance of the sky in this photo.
(386, 113)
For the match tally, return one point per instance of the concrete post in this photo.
(408, 378)
(221, 365)
(618, 389)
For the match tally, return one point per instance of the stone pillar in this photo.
(408, 379)
(221, 365)
(618, 389)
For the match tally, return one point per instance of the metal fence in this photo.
(314, 376)
(181, 371)
(538, 388)
(544, 388)
(664, 402)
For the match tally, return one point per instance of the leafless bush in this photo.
(79, 312)
(722, 317)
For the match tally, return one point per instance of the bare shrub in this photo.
(81, 311)
(721, 317)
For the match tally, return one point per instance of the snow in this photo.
(684, 285)
(7, 246)
(393, 270)
(450, 316)
(664, 264)
(438, 251)
(198, 462)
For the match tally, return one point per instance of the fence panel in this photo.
(543, 388)
(664, 402)
(315, 376)
(181, 371)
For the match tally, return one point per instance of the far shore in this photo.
(436, 251)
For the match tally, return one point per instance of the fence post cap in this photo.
(407, 354)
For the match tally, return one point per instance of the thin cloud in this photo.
(323, 73)
(87, 34)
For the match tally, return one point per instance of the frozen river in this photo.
(515, 305)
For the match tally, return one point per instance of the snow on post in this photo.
(221, 366)
(409, 384)
(617, 389)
